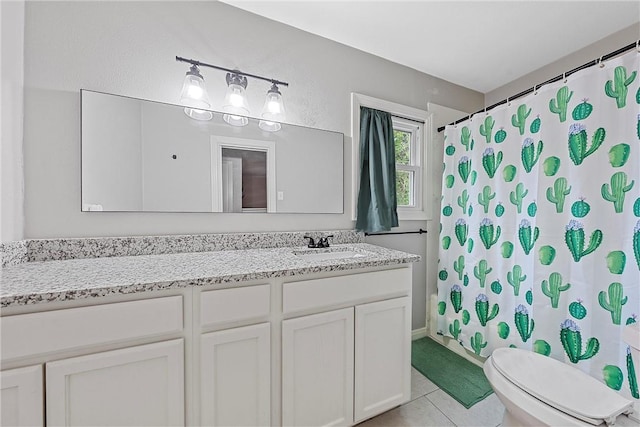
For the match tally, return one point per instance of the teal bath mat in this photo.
(455, 375)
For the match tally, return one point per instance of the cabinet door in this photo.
(235, 381)
(142, 386)
(21, 397)
(382, 356)
(317, 369)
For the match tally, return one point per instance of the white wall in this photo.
(11, 110)
(593, 51)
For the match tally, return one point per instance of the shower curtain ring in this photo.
(508, 103)
(638, 46)
(564, 77)
(600, 62)
(535, 89)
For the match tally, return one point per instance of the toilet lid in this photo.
(560, 385)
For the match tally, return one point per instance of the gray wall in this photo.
(593, 51)
(128, 48)
(12, 77)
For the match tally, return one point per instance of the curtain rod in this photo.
(552, 80)
(421, 231)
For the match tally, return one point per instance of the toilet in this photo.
(539, 390)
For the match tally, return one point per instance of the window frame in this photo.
(421, 211)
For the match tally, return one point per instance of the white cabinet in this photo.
(235, 377)
(382, 356)
(317, 369)
(141, 385)
(21, 398)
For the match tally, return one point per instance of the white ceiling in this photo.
(481, 45)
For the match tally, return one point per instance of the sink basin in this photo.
(328, 255)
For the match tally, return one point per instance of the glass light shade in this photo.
(194, 94)
(235, 104)
(273, 111)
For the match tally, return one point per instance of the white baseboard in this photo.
(416, 334)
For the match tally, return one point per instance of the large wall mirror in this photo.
(139, 155)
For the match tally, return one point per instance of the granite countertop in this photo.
(41, 282)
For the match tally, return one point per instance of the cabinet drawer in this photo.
(331, 291)
(50, 331)
(236, 304)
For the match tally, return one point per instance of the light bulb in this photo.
(273, 111)
(235, 104)
(194, 96)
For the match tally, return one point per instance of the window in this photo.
(410, 127)
(407, 141)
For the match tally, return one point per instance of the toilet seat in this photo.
(560, 386)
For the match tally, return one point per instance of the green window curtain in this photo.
(377, 202)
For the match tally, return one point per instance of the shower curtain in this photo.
(540, 225)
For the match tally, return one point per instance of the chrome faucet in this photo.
(323, 242)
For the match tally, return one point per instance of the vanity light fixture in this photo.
(235, 106)
(194, 95)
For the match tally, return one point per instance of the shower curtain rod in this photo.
(552, 80)
(421, 231)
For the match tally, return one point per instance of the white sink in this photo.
(323, 256)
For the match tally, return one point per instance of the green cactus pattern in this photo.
(487, 128)
(582, 110)
(615, 192)
(524, 187)
(506, 249)
(488, 233)
(519, 119)
(496, 287)
(617, 88)
(577, 310)
(636, 243)
(517, 196)
(515, 278)
(574, 238)
(578, 142)
(454, 329)
(503, 330)
(560, 103)
(461, 230)
(558, 193)
(529, 154)
(553, 287)
(546, 254)
(478, 343)
(580, 209)
(509, 173)
(482, 309)
(535, 125)
(571, 339)
(612, 376)
(619, 154)
(491, 161)
(527, 235)
(484, 198)
(551, 166)
(456, 298)
(458, 267)
(631, 376)
(464, 168)
(524, 325)
(542, 347)
(481, 270)
(442, 307)
(463, 200)
(466, 140)
(616, 261)
(612, 301)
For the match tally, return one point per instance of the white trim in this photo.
(416, 334)
(359, 100)
(220, 142)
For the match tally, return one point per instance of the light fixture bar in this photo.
(204, 64)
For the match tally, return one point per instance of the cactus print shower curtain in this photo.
(540, 225)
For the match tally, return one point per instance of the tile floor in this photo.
(430, 406)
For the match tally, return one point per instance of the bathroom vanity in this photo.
(281, 336)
